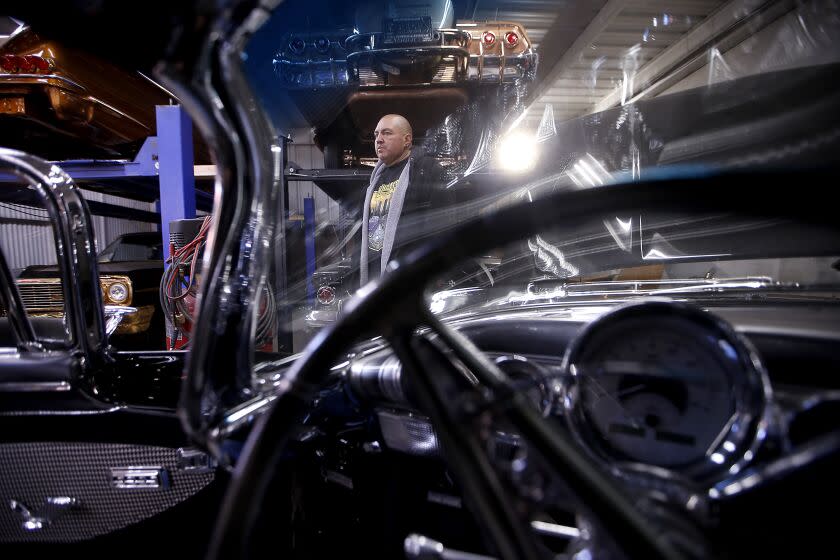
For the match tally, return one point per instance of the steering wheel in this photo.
(394, 308)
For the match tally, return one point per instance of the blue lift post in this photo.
(309, 236)
(176, 172)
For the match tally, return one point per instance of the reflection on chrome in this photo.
(630, 65)
(114, 315)
(551, 259)
(719, 70)
(448, 300)
(539, 293)
(484, 153)
(589, 172)
(663, 250)
(546, 129)
(243, 415)
(621, 231)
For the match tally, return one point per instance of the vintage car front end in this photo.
(44, 297)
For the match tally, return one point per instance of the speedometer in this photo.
(668, 385)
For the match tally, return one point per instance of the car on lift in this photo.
(130, 268)
(446, 77)
(63, 103)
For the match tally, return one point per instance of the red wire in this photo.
(189, 251)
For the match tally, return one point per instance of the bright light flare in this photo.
(517, 152)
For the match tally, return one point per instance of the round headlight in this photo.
(118, 292)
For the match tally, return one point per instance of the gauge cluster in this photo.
(666, 385)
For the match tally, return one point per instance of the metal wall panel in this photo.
(26, 236)
(306, 155)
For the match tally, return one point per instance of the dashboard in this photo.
(655, 391)
(711, 411)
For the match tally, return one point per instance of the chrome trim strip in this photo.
(435, 50)
(34, 386)
(68, 81)
(140, 478)
(555, 530)
(236, 260)
(115, 110)
(61, 412)
(155, 83)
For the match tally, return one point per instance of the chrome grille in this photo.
(42, 294)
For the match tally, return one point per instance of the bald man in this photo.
(401, 185)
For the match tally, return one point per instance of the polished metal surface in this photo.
(237, 251)
(139, 478)
(555, 530)
(34, 386)
(194, 460)
(42, 78)
(75, 249)
(699, 443)
(423, 548)
(50, 512)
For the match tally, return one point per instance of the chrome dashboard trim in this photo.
(745, 431)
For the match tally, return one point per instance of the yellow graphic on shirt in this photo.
(380, 204)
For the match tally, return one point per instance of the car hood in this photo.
(119, 267)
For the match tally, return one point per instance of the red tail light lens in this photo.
(38, 64)
(29, 64)
(26, 64)
(488, 38)
(8, 63)
(511, 38)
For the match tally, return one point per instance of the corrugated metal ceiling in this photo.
(589, 48)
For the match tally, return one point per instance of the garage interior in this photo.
(618, 88)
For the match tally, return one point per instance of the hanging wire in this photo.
(179, 281)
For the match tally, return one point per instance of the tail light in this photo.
(322, 45)
(297, 45)
(488, 38)
(511, 39)
(326, 295)
(29, 64)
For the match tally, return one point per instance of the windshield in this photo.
(404, 120)
(133, 247)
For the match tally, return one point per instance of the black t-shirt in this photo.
(380, 205)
